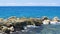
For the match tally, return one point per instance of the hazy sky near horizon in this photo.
(29, 2)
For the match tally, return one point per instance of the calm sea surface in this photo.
(44, 29)
(29, 11)
(47, 29)
(34, 11)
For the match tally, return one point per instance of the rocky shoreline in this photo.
(13, 24)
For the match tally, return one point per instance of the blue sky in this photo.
(29, 2)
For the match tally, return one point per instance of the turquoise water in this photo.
(29, 11)
(34, 11)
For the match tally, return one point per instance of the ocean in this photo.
(43, 29)
(29, 11)
(34, 11)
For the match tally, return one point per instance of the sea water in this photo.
(43, 29)
(34, 11)
(29, 11)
